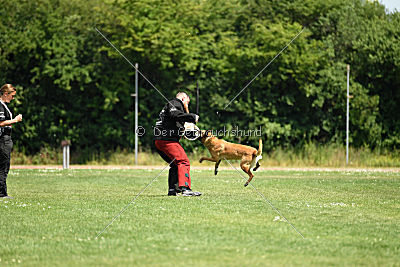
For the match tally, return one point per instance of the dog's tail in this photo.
(257, 156)
(260, 147)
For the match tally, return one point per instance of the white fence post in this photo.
(65, 145)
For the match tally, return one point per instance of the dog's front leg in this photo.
(216, 167)
(209, 159)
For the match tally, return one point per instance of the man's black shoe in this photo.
(171, 192)
(177, 188)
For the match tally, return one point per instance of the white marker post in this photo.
(65, 145)
(136, 96)
(347, 115)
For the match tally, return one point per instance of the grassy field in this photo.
(347, 218)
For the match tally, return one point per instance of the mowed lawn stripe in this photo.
(348, 218)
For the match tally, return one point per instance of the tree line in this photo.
(73, 85)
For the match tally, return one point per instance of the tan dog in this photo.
(221, 149)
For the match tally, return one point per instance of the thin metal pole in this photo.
(347, 115)
(197, 98)
(136, 111)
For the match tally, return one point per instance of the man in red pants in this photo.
(167, 132)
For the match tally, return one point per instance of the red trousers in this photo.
(174, 150)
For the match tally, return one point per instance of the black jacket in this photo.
(5, 115)
(172, 117)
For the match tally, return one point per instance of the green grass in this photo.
(348, 218)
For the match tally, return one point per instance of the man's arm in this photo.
(3, 121)
(9, 122)
(181, 116)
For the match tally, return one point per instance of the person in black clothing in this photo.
(7, 93)
(167, 132)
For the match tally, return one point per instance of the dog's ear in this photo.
(205, 133)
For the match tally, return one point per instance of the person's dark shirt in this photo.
(4, 116)
(170, 124)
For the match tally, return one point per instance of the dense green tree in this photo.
(73, 85)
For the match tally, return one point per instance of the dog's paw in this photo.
(216, 172)
(246, 184)
(201, 160)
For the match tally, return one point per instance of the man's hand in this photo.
(197, 118)
(186, 107)
(18, 118)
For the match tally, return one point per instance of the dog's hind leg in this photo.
(257, 159)
(216, 167)
(246, 168)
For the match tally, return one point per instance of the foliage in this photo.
(73, 85)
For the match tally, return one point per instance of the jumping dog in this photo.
(221, 149)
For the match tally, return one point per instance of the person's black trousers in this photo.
(6, 145)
